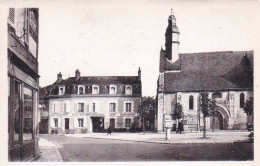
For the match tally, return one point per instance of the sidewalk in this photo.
(48, 152)
(211, 137)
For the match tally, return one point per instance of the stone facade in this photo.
(228, 106)
(227, 77)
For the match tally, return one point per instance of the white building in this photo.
(92, 104)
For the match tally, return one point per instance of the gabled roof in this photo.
(211, 71)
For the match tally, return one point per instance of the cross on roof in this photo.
(172, 12)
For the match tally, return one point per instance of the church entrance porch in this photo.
(97, 124)
(217, 122)
(220, 120)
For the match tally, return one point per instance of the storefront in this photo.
(23, 117)
(23, 83)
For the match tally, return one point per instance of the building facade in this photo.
(23, 82)
(93, 104)
(227, 76)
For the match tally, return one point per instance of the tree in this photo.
(146, 104)
(212, 111)
(178, 112)
(249, 107)
(207, 107)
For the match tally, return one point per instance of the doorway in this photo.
(97, 124)
(43, 126)
(217, 123)
(67, 123)
(112, 124)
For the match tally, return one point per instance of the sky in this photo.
(106, 38)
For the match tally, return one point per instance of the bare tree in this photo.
(178, 112)
(249, 107)
(146, 104)
(207, 106)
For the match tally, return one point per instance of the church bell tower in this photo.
(172, 39)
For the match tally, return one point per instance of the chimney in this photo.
(59, 77)
(77, 74)
(139, 74)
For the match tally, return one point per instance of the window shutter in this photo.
(75, 107)
(12, 15)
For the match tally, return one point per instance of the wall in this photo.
(102, 110)
(229, 103)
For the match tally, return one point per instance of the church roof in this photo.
(210, 71)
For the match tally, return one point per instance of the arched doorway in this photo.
(217, 122)
(220, 121)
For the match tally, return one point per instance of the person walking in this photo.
(177, 127)
(180, 128)
(109, 131)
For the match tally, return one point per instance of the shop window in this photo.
(80, 107)
(17, 112)
(55, 122)
(80, 122)
(28, 114)
(127, 122)
(242, 100)
(128, 107)
(128, 90)
(95, 89)
(191, 102)
(112, 107)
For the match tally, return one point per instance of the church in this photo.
(227, 76)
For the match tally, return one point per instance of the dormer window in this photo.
(81, 89)
(112, 89)
(61, 90)
(128, 90)
(95, 89)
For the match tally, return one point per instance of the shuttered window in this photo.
(12, 15)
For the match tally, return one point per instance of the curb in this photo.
(165, 142)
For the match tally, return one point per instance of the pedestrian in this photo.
(177, 128)
(180, 128)
(109, 131)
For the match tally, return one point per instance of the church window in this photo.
(191, 102)
(242, 100)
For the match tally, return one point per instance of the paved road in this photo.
(89, 149)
